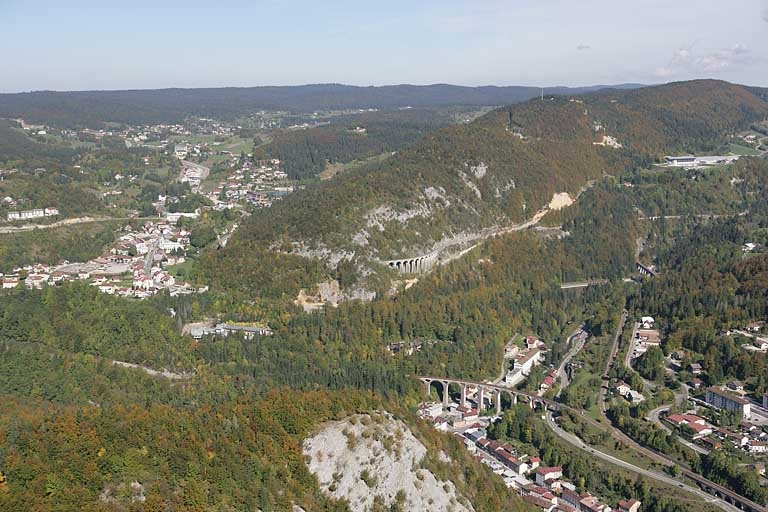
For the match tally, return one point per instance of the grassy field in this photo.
(332, 170)
(738, 149)
(74, 243)
(182, 271)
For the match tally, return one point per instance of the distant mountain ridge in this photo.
(92, 108)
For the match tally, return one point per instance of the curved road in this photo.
(575, 441)
(653, 416)
(581, 336)
(618, 435)
(652, 454)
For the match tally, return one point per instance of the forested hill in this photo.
(760, 91)
(494, 171)
(92, 108)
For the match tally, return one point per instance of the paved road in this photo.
(611, 360)
(697, 216)
(661, 477)
(628, 357)
(580, 338)
(617, 434)
(620, 436)
(653, 416)
(149, 258)
(468, 238)
(4, 230)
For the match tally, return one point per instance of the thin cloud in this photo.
(683, 61)
(765, 15)
(583, 47)
(723, 59)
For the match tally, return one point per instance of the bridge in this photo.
(494, 393)
(645, 271)
(416, 265)
(724, 493)
(731, 498)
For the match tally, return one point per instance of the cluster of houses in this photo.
(201, 126)
(541, 486)
(36, 213)
(645, 337)
(568, 500)
(135, 266)
(225, 329)
(523, 362)
(257, 183)
(751, 331)
(548, 382)
(747, 437)
(749, 138)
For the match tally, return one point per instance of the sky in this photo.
(90, 45)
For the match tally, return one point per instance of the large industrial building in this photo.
(699, 161)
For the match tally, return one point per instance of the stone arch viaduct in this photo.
(493, 392)
(415, 265)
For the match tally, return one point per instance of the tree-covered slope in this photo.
(495, 171)
(93, 108)
(17, 147)
(306, 153)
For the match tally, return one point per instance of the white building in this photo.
(724, 400)
(522, 366)
(699, 161)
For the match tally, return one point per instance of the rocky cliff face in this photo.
(376, 459)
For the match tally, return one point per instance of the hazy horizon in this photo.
(85, 45)
(394, 84)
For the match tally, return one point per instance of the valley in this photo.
(279, 341)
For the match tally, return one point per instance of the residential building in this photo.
(523, 364)
(622, 388)
(721, 399)
(632, 505)
(698, 424)
(10, 282)
(543, 474)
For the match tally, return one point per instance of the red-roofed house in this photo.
(632, 505)
(590, 503)
(545, 474)
(698, 424)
